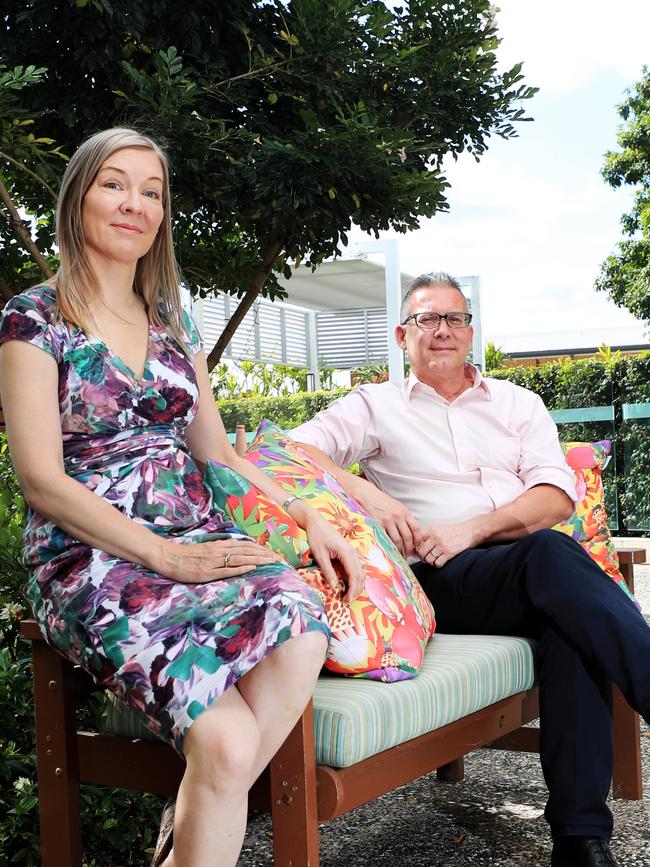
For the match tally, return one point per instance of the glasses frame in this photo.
(415, 317)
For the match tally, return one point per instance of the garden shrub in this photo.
(594, 382)
(240, 379)
(286, 412)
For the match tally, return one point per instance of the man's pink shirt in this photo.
(445, 461)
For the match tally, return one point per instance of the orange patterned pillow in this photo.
(588, 524)
(383, 633)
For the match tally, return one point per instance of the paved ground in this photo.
(493, 818)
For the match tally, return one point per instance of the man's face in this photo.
(443, 350)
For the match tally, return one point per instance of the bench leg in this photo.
(627, 782)
(56, 758)
(452, 772)
(294, 808)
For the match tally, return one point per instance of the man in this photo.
(468, 476)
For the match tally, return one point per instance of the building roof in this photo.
(567, 342)
(339, 285)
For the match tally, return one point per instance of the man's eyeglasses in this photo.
(430, 321)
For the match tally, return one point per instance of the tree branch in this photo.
(252, 73)
(29, 172)
(269, 257)
(23, 236)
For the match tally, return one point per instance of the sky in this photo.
(534, 218)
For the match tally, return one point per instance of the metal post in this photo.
(226, 316)
(312, 347)
(256, 330)
(393, 304)
(478, 350)
(283, 335)
(392, 277)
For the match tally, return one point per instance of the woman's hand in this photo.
(326, 545)
(203, 562)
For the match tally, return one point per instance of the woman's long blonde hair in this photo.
(157, 276)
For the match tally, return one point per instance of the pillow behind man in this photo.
(383, 633)
(588, 524)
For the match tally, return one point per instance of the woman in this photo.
(133, 573)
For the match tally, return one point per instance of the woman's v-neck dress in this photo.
(165, 648)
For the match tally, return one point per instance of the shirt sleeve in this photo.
(194, 341)
(343, 431)
(29, 317)
(542, 460)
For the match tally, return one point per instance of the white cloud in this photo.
(536, 244)
(564, 43)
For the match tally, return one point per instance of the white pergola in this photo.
(342, 315)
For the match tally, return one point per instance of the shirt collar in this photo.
(479, 382)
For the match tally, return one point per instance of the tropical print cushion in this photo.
(383, 633)
(588, 524)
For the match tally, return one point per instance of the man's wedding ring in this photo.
(226, 561)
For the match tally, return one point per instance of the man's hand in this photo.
(539, 507)
(395, 518)
(440, 542)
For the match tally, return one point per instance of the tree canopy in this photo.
(625, 275)
(285, 121)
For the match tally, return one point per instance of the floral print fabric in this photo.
(167, 649)
(383, 633)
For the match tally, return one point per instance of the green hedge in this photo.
(566, 384)
(286, 412)
(619, 380)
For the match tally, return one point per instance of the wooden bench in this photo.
(299, 793)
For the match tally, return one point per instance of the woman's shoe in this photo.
(165, 835)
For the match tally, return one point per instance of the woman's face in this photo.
(123, 208)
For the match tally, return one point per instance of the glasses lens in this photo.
(457, 320)
(427, 321)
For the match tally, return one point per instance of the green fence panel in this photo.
(583, 414)
(636, 410)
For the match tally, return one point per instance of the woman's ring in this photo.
(226, 561)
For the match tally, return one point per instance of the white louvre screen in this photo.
(270, 332)
(348, 338)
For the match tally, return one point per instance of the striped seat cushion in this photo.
(355, 718)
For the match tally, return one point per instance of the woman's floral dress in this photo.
(165, 648)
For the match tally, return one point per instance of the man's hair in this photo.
(435, 278)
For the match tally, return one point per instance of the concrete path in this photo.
(492, 819)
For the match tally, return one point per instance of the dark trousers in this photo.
(588, 632)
